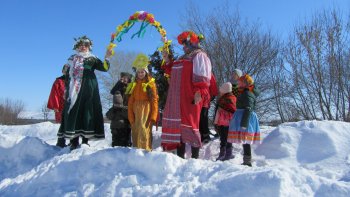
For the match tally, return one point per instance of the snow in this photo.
(307, 158)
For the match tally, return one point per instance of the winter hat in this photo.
(226, 88)
(125, 74)
(117, 98)
(238, 72)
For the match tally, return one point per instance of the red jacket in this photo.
(56, 98)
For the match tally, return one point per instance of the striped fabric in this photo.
(172, 115)
(250, 135)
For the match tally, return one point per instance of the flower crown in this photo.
(82, 40)
(189, 36)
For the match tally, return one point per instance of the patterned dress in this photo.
(82, 113)
(181, 116)
(244, 125)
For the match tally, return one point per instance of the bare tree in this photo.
(120, 62)
(45, 111)
(9, 111)
(316, 52)
(233, 43)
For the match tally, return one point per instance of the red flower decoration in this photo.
(189, 36)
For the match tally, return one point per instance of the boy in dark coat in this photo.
(120, 127)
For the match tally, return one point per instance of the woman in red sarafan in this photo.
(188, 92)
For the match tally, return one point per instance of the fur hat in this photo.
(238, 72)
(117, 98)
(226, 88)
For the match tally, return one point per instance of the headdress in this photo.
(190, 37)
(247, 79)
(82, 40)
(141, 62)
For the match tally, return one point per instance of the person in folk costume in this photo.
(120, 127)
(188, 91)
(203, 121)
(142, 104)
(56, 100)
(244, 125)
(226, 108)
(82, 113)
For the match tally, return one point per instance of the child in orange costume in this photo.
(142, 104)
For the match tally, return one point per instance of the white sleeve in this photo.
(201, 68)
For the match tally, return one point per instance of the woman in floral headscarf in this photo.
(82, 114)
(188, 92)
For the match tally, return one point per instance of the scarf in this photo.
(76, 70)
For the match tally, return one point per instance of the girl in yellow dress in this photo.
(142, 104)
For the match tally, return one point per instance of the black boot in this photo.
(195, 152)
(61, 142)
(74, 143)
(85, 141)
(247, 155)
(221, 154)
(181, 150)
(228, 154)
(247, 160)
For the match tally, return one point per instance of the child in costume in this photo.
(120, 127)
(226, 108)
(142, 104)
(244, 126)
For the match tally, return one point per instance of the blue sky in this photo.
(37, 36)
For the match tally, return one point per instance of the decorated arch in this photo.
(146, 19)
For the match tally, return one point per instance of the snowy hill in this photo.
(307, 158)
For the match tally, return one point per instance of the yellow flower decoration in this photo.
(120, 28)
(130, 88)
(139, 16)
(145, 85)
